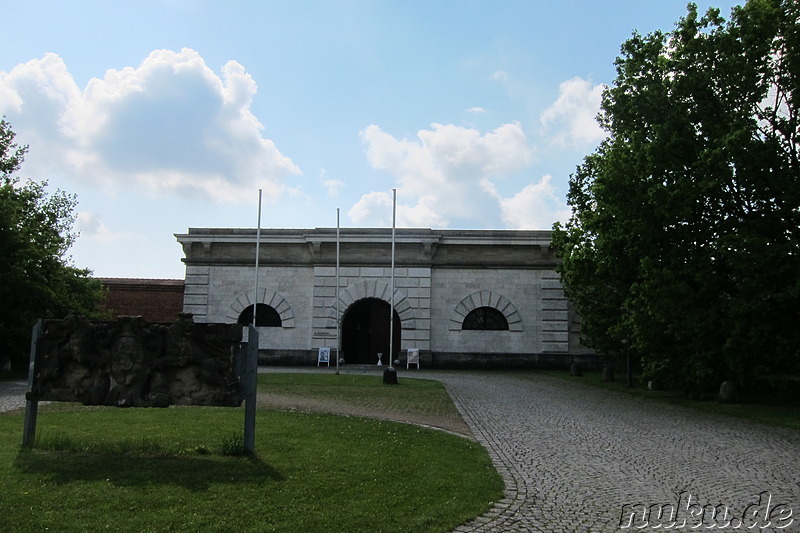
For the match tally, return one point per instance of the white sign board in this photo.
(324, 356)
(412, 358)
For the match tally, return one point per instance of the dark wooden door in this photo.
(365, 332)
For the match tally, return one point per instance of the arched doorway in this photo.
(365, 332)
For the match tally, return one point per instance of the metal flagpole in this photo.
(252, 359)
(391, 310)
(258, 243)
(390, 374)
(338, 345)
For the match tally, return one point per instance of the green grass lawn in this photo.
(419, 400)
(412, 394)
(767, 411)
(156, 470)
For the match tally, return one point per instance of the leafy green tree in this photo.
(36, 278)
(685, 232)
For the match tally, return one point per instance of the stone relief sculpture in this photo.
(133, 363)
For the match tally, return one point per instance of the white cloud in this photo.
(476, 110)
(92, 228)
(573, 113)
(170, 124)
(440, 174)
(373, 209)
(535, 207)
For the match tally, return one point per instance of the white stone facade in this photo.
(439, 278)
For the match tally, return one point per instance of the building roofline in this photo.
(141, 281)
(416, 235)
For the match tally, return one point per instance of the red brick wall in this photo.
(157, 300)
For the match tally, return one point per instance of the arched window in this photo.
(485, 318)
(266, 316)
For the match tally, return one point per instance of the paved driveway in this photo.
(582, 459)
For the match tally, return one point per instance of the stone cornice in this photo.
(369, 246)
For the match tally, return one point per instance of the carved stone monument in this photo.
(133, 363)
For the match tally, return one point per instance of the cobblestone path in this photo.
(573, 456)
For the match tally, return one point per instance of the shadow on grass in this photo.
(195, 474)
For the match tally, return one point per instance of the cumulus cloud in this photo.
(440, 174)
(536, 206)
(374, 209)
(573, 113)
(171, 124)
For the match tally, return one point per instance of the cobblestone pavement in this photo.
(573, 456)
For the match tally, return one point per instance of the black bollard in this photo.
(390, 376)
(728, 392)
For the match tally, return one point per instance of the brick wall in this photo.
(157, 300)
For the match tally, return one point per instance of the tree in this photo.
(685, 231)
(37, 280)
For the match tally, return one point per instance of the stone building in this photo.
(462, 298)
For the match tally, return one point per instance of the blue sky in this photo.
(165, 115)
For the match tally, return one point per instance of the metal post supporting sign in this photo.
(31, 406)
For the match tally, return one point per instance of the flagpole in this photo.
(390, 374)
(338, 351)
(391, 311)
(258, 242)
(251, 362)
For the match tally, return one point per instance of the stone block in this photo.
(372, 272)
(550, 315)
(555, 336)
(554, 305)
(419, 273)
(554, 325)
(351, 272)
(195, 289)
(556, 347)
(404, 283)
(413, 292)
(323, 271)
(327, 292)
(190, 299)
(552, 284)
